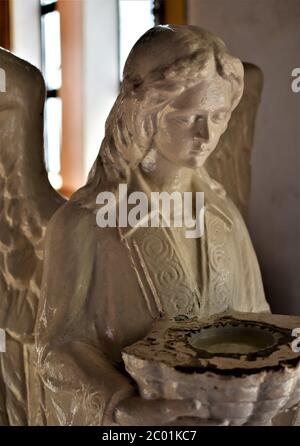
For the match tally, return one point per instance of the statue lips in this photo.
(199, 150)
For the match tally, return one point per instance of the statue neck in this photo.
(164, 176)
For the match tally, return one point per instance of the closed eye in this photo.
(219, 117)
(182, 120)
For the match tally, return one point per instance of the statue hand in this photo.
(137, 411)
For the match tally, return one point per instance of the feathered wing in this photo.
(27, 204)
(230, 164)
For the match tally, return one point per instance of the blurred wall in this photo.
(267, 33)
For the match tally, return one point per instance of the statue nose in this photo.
(202, 129)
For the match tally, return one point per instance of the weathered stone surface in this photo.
(104, 286)
(230, 388)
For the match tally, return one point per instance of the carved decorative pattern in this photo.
(220, 263)
(166, 271)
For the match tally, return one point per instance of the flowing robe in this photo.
(104, 287)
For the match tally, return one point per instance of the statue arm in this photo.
(84, 386)
(82, 383)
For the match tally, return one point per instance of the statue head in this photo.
(179, 88)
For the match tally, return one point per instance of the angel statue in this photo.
(102, 288)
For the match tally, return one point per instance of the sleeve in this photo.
(82, 384)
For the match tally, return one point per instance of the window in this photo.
(51, 68)
(135, 18)
(4, 24)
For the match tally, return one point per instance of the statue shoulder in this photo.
(75, 225)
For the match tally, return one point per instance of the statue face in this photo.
(190, 126)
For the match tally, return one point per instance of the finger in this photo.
(137, 411)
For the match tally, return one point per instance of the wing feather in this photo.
(230, 164)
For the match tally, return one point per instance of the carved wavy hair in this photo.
(190, 55)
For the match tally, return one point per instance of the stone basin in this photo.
(240, 368)
(234, 339)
